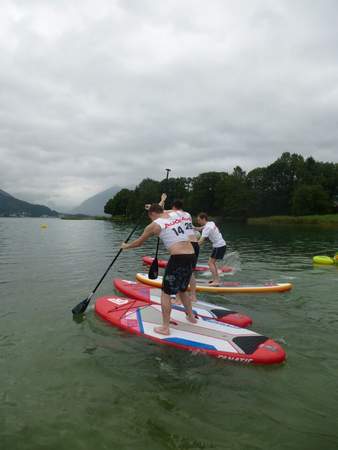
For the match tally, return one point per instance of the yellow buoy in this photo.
(325, 260)
(43, 225)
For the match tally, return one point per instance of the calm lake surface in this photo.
(71, 386)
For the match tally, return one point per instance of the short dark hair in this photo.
(155, 208)
(178, 204)
(203, 215)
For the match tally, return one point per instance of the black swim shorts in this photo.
(218, 252)
(178, 273)
(197, 252)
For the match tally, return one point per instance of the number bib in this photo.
(173, 229)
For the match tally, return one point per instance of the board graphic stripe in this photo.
(139, 319)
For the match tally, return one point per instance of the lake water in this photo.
(73, 386)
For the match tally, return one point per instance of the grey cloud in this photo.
(110, 92)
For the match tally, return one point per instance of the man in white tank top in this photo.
(177, 207)
(210, 231)
(170, 228)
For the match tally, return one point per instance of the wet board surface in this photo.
(148, 293)
(225, 286)
(207, 336)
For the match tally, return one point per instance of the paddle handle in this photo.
(158, 239)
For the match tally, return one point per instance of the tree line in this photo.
(291, 185)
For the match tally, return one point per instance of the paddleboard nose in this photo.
(239, 320)
(269, 353)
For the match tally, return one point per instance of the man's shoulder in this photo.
(174, 214)
(185, 214)
(209, 224)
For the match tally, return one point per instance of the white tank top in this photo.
(172, 230)
(187, 221)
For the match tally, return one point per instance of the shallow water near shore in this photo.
(68, 385)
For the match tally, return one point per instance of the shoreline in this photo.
(328, 220)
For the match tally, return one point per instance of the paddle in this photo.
(82, 306)
(153, 269)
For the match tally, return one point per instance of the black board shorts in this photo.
(197, 252)
(218, 252)
(178, 273)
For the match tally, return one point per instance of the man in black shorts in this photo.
(210, 231)
(177, 207)
(170, 228)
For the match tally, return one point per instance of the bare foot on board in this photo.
(191, 319)
(162, 330)
(214, 283)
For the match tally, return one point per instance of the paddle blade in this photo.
(81, 307)
(153, 270)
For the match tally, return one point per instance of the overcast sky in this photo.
(101, 93)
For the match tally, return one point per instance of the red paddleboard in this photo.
(200, 268)
(207, 336)
(149, 294)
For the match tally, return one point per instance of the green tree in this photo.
(274, 185)
(234, 196)
(175, 188)
(310, 199)
(288, 185)
(118, 205)
(203, 195)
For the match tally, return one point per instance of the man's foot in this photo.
(214, 283)
(191, 319)
(162, 330)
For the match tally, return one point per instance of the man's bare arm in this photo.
(163, 199)
(149, 231)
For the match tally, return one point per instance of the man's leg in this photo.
(177, 300)
(192, 292)
(193, 288)
(214, 271)
(186, 300)
(166, 310)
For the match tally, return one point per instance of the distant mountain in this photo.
(11, 206)
(94, 206)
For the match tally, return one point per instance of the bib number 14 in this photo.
(178, 231)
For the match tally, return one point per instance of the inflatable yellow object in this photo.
(326, 260)
(43, 225)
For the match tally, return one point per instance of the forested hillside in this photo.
(291, 185)
(11, 206)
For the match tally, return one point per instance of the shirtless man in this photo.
(211, 231)
(170, 228)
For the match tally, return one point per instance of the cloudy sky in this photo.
(101, 93)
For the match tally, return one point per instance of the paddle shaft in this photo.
(158, 239)
(157, 245)
(111, 264)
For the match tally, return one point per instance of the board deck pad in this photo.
(149, 294)
(207, 336)
(225, 286)
(199, 268)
